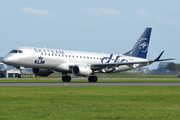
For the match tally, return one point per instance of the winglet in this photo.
(157, 59)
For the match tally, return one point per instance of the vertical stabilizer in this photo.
(140, 49)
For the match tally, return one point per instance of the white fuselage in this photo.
(62, 60)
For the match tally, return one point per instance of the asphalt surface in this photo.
(90, 84)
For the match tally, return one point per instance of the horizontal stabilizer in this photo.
(158, 58)
(165, 59)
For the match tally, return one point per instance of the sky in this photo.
(110, 26)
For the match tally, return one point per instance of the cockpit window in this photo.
(20, 51)
(16, 51)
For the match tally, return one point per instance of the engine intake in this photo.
(81, 70)
(41, 72)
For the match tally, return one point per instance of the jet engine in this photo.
(41, 72)
(81, 70)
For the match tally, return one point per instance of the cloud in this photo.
(33, 11)
(142, 13)
(167, 21)
(173, 23)
(159, 17)
(106, 12)
(156, 18)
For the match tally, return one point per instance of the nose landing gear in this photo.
(20, 75)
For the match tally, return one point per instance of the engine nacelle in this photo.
(41, 72)
(81, 70)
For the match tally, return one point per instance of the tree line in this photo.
(173, 67)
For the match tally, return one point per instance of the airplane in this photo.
(45, 61)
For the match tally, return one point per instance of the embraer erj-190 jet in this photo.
(45, 61)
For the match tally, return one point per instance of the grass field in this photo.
(90, 102)
(86, 80)
(119, 75)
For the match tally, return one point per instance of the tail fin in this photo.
(140, 49)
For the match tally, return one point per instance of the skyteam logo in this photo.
(116, 60)
(143, 44)
(39, 61)
(110, 58)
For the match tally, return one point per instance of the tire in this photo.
(64, 78)
(20, 76)
(94, 78)
(68, 78)
(90, 79)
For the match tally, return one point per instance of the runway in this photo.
(90, 84)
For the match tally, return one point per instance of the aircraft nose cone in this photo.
(6, 60)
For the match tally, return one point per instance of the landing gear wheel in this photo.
(66, 78)
(20, 76)
(92, 78)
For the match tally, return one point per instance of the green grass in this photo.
(120, 75)
(136, 75)
(86, 80)
(90, 103)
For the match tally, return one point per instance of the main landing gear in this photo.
(92, 78)
(66, 78)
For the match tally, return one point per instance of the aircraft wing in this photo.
(132, 64)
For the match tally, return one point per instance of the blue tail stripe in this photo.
(140, 49)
